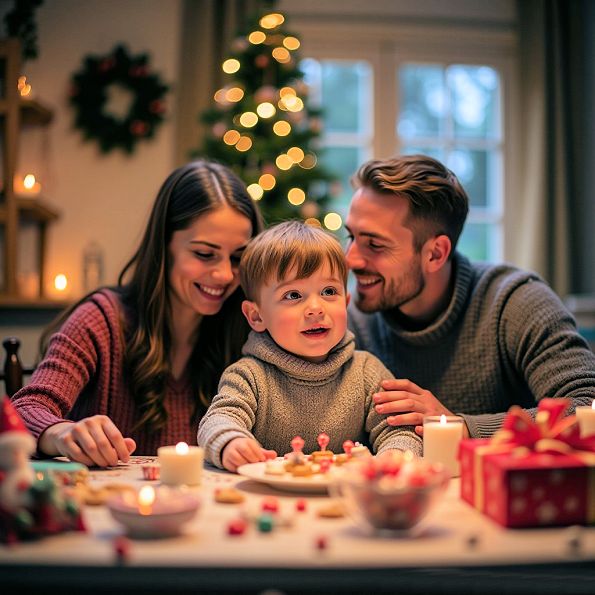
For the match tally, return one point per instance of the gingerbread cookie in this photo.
(228, 496)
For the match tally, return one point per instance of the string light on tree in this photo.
(264, 126)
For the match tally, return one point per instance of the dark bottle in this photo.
(13, 370)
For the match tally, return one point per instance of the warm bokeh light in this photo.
(255, 191)
(266, 110)
(292, 103)
(313, 221)
(281, 55)
(287, 91)
(234, 94)
(244, 144)
(267, 181)
(220, 95)
(23, 86)
(248, 119)
(295, 154)
(296, 196)
(230, 66)
(60, 282)
(256, 37)
(231, 137)
(270, 21)
(282, 128)
(182, 448)
(309, 161)
(291, 43)
(333, 221)
(283, 162)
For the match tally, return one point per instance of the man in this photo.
(460, 337)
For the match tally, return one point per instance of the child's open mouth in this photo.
(316, 331)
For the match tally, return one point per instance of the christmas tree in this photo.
(264, 128)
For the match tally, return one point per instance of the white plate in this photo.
(317, 483)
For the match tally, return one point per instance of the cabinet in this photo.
(16, 210)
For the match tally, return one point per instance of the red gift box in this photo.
(532, 473)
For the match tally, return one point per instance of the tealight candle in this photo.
(146, 497)
(586, 419)
(180, 464)
(442, 435)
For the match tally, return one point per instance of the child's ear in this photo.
(347, 298)
(252, 314)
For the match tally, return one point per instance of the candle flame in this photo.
(182, 448)
(146, 497)
(443, 420)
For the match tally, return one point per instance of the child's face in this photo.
(306, 317)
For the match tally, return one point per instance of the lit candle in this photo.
(180, 464)
(586, 419)
(146, 497)
(441, 441)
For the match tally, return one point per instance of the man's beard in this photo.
(396, 294)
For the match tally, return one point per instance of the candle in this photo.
(146, 497)
(586, 419)
(180, 464)
(441, 441)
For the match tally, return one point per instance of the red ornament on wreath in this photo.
(129, 75)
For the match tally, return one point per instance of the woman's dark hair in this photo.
(188, 193)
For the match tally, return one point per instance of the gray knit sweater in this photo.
(272, 396)
(505, 339)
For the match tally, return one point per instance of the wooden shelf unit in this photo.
(17, 113)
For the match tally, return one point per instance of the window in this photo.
(438, 97)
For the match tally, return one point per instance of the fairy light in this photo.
(244, 144)
(230, 66)
(266, 110)
(296, 154)
(282, 128)
(309, 161)
(296, 196)
(231, 137)
(60, 282)
(270, 21)
(287, 91)
(234, 94)
(283, 162)
(219, 95)
(281, 55)
(291, 43)
(267, 181)
(255, 191)
(333, 221)
(257, 37)
(248, 119)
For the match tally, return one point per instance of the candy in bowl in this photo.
(390, 494)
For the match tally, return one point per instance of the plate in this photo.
(314, 484)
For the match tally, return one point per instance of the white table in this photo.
(455, 543)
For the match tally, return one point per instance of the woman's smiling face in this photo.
(204, 261)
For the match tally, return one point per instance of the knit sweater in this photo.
(82, 375)
(272, 396)
(504, 339)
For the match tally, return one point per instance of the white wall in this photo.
(101, 197)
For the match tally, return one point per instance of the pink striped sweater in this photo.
(82, 375)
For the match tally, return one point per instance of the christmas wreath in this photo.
(127, 77)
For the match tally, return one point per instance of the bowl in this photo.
(165, 516)
(390, 494)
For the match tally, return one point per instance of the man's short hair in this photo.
(290, 246)
(438, 203)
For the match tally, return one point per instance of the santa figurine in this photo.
(16, 446)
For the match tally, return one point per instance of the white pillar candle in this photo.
(180, 464)
(442, 435)
(586, 419)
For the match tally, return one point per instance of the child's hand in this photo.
(240, 451)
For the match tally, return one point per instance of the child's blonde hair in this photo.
(286, 246)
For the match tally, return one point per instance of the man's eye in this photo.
(292, 295)
(374, 246)
(329, 291)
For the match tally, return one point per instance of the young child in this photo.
(300, 374)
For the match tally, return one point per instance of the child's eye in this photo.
(292, 295)
(329, 291)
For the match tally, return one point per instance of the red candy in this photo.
(237, 527)
(270, 504)
(301, 505)
(323, 440)
(321, 542)
(347, 446)
(297, 444)
(325, 465)
(122, 548)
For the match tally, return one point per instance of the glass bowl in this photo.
(390, 494)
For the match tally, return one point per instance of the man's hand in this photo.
(406, 403)
(93, 441)
(240, 451)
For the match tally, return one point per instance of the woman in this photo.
(135, 366)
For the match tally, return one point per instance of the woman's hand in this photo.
(406, 403)
(240, 451)
(93, 441)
